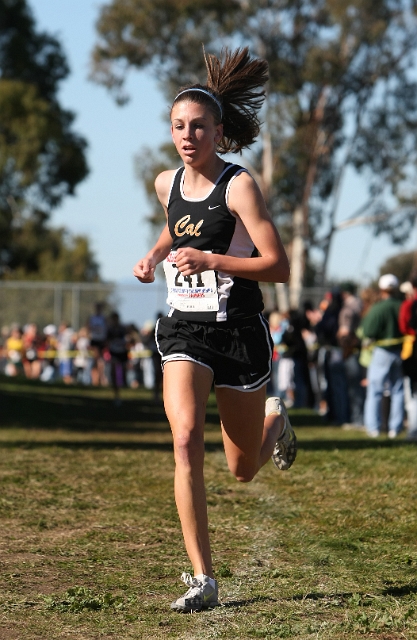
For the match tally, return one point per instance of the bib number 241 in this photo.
(187, 279)
(197, 292)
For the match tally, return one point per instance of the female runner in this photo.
(218, 242)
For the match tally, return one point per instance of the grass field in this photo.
(90, 544)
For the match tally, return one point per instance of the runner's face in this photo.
(194, 132)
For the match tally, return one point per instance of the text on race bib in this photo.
(190, 293)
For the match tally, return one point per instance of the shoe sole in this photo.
(179, 609)
(291, 448)
(284, 465)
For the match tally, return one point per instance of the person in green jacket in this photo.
(385, 373)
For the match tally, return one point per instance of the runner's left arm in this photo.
(246, 201)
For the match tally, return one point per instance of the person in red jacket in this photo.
(405, 309)
(407, 318)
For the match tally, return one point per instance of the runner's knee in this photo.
(188, 448)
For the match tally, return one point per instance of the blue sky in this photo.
(110, 205)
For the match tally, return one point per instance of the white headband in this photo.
(207, 94)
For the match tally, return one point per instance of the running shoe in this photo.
(200, 595)
(285, 450)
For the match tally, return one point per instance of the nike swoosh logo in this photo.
(217, 205)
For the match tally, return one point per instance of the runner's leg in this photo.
(186, 389)
(249, 438)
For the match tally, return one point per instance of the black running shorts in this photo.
(238, 352)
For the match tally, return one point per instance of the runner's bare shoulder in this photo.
(163, 184)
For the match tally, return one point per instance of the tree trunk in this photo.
(297, 258)
(281, 293)
(264, 180)
(300, 218)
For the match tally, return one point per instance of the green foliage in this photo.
(161, 34)
(41, 158)
(28, 55)
(44, 253)
(401, 265)
(224, 571)
(38, 151)
(77, 599)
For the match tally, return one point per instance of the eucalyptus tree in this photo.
(42, 159)
(342, 92)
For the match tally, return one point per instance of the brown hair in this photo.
(234, 94)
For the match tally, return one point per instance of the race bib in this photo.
(190, 293)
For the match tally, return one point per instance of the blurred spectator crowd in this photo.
(353, 358)
(103, 353)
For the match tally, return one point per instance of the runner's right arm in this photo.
(144, 270)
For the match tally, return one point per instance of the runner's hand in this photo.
(190, 261)
(144, 270)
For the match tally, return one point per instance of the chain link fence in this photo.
(73, 302)
(51, 302)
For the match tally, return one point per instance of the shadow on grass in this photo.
(35, 406)
(394, 591)
(230, 604)
(153, 445)
(323, 596)
(401, 590)
(96, 445)
(143, 445)
(350, 445)
(30, 406)
(307, 418)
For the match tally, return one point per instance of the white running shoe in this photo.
(200, 595)
(285, 450)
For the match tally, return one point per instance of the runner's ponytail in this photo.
(234, 93)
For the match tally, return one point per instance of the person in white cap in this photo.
(385, 370)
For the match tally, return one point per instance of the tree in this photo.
(41, 158)
(43, 253)
(401, 265)
(341, 93)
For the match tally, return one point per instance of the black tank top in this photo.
(208, 224)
